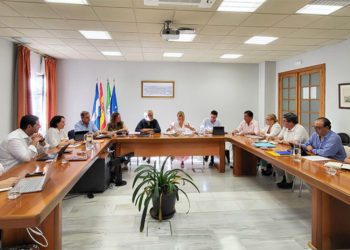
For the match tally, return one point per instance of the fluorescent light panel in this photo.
(230, 56)
(111, 53)
(99, 35)
(319, 9)
(240, 5)
(261, 40)
(172, 54)
(68, 1)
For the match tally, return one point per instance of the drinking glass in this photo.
(89, 140)
(14, 192)
(331, 171)
(297, 152)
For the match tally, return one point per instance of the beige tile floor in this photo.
(229, 213)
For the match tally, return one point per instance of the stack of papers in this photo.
(338, 165)
(8, 183)
(315, 158)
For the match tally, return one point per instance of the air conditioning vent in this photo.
(198, 3)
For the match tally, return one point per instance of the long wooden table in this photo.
(330, 194)
(164, 145)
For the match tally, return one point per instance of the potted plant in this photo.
(162, 187)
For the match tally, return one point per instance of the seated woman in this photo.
(181, 127)
(271, 130)
(56, 135)
(116, 124)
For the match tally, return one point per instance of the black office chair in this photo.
(345, 139)
(71, 134)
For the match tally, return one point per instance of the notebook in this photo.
(264, 145)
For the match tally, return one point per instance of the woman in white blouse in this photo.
(56, 134)
(272, 127)
(271, 130)
(181, 127)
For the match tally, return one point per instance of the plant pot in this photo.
(168, 206)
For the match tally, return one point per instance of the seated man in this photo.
(207, 127)
(294, 133)
(22, 144)
(85, 124)
(148, 124)
(248, 126)
(324, 142)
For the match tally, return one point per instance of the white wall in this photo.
(199, 87)
(337, 60)
(7, 72)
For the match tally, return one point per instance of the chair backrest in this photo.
(347, 151)
(71, 134)
(345, 139)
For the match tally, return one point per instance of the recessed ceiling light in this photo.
(240, 5)
(100, 35)
(111, 53)
(230, 56)
(261, 40)
(318, 9)
(171, 54)
(68, 1)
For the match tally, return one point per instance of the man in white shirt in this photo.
(22, 144)
(207, 127)
(248, 126)
(292, 133)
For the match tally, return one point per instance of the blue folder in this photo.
(264, 145)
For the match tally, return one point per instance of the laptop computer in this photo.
(37, 183)
(218, 130)
(79, 135)
(45, 157)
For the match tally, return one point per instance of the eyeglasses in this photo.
(317, 127)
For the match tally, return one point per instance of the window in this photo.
(302, 92)
(38, 89)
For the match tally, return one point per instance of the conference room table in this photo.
(330, 194)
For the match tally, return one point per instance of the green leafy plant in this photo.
(153, 183)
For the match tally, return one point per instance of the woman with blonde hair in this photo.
(272, 127)
(271, 130)
(181, 127)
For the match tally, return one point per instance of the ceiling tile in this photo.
(33, 9)
(115, 14)
(85, 48)
(153, 16)
(120, 26)
(18, 22)
(130, 44)
(149, 28)
(247, 31)
(77, 42)
(278, 32)
(152, 56)
(216, 30)
(150, 37)
(9, 32)
(47, 23)
(192, 17)
(342, 12)
(35, 33)
(297, 21)
(299, 41)
(208, 39)
(329, 22)
(85, 25)
(228, 18)
(66, 34)
(117, 36)
(7, 11)
(49, 41)
(72, 11)
(111, 3)
(264, 20)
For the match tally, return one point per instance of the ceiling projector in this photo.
(170, 34)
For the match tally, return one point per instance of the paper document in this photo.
(315, 158)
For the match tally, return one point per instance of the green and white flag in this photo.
(108, 102)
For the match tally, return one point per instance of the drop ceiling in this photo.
(52, 29)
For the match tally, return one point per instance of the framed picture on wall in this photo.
(344, 95)
(157, 89)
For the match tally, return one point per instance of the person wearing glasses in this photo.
(292, 133)
(324, 142)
